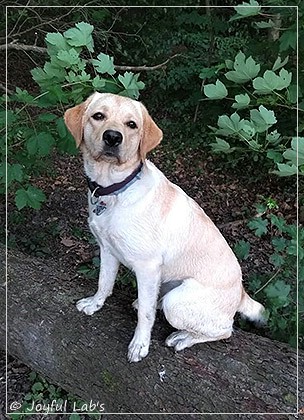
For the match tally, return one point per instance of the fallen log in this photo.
(87, 355)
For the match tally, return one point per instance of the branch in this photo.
(23, 47)
(43, 50)
(147, 68)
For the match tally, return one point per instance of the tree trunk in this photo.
(86, 355)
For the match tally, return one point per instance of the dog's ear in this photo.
(151, 135)
(73, 119)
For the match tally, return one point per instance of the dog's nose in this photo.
(112, 138)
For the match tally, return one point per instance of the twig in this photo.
(266, 284)
(146, 68)
(233, 223)
(43, 23)
(43, 50)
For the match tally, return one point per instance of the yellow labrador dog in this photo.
(142, 220)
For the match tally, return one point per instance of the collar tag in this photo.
(100, 207)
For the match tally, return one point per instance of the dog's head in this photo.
(112, 128)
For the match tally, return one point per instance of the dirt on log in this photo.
(86, 355)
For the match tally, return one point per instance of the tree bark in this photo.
(87, 355)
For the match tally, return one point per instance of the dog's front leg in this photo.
(107, 275)
(148, 283)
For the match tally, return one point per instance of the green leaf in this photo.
(66, 142)
(23, 96)
(12, 117)
(293, 249)
(279, 63)
(14, 173)
(216, 91)
(208, 72)
(31, 197)
(244, 70)
(247, 9)
(288, 40)
(229, 125)
(242, 249)
(248, 130)
(264, 25)
(278, 222)
(56, 41)
(53, 72)
(262, 118)
(47, 117)
(276, 260)
(279, 291)
(242, 101)
(271, 82)
(279, 243)
(296, 154)
(229, 64)
(40, 144)
(286, 170)
(259, 226)
(81, 78)
(68, 58)
(267, 115)
(98, 83)
(131, 84)
(221, 146)
(292, 94)
(61, 128)
(37, 387)
(261, 208)
(274, 137)
(49, 74)
(80, 36)
(104, 64)
(277, 157)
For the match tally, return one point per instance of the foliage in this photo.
(254, 87)
(278, 290)
(46, 398)
(35, 124)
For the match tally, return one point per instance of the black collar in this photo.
(99, 191)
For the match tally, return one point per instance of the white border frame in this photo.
(297, 196)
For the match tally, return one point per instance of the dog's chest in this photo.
(116, 231)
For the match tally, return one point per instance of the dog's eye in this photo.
(131, 124)
(99, 116)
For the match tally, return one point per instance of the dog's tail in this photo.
(252, 310)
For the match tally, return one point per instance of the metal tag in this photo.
(100, 207)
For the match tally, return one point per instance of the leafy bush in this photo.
(258, 86)
(278, 290)
(35, 123)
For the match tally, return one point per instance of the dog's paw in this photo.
(137, 350)
(89, 305)
(179, 340)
